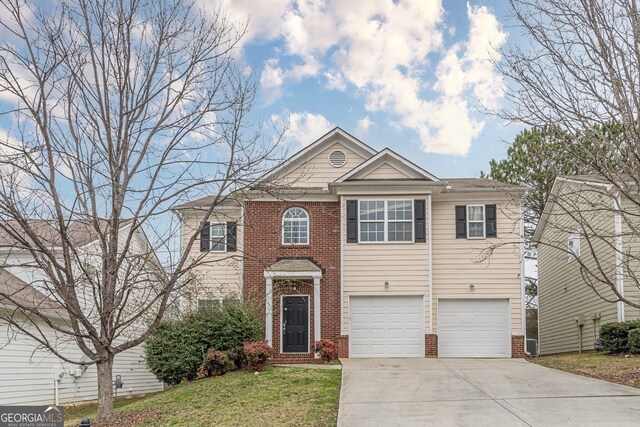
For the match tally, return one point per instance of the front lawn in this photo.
(613, 368)
(275, 397)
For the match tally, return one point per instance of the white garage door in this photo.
(386, 326)
(473, 328)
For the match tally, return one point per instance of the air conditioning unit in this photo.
(532, 347)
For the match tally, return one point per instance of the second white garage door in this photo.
(473, 328)
(386, 326)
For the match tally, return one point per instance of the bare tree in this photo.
(575, 66)
(119, 111)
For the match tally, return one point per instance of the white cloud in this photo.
(363, 125)
(303, 128)
(335, 81)
(392, 53)
(271, 79)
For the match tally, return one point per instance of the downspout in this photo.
(430, 269)
(523, 307)
(619, 260)
(241, 223)
(342, 224)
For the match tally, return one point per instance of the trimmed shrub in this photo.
(255, 355)
(215, 363)
(634, 341)
(327, 350)
(615, 335)
(176, 349)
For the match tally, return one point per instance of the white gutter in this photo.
(342, 219)
(522, 274)
(619, 261)
(429, 210)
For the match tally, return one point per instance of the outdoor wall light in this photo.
(472, 287)
(386, 285)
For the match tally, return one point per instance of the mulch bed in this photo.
(133, 418)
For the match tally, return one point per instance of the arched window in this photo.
(295, 227)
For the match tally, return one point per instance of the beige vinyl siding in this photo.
(631, 245)
(367, 266)
(563, 293)
(317, 172)
(385, 171)
(457, 263)
(219, 274)
(27, 372)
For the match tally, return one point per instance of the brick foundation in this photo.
(431, 345)
(263, 247)
(343, 346)
(517, 346)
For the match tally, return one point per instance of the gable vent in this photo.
(337, 158)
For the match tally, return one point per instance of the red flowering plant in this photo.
(327, 350)
(255, 355)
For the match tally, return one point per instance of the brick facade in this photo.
(263, 247)
(343, 346)
(517, 346)
(431, 345)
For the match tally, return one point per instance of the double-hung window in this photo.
(372, 221)
(400, 220)
(476, 222)
(386, 220)
(218, 237)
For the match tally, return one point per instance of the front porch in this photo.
(292, 309)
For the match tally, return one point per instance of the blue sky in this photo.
(412, 76)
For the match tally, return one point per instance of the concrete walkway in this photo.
(478, 392)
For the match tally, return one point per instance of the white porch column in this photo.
(316, 310)
(268, 327)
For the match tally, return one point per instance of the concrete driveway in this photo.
(478, 392)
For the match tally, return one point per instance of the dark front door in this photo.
(295, 324)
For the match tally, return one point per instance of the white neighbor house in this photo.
(30, 374)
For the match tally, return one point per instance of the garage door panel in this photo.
(473, 328)
(387, 326)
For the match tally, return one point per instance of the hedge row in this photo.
(617, 337)
(177, 349)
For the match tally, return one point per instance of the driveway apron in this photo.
(478, 392)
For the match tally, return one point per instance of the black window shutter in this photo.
(232, 236)
(490, 219)
(461, 222)
(352, 221)
(420, 221)
(205, 238)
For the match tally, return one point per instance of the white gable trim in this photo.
(394, 160)
(347, 140)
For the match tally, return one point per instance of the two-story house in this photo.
(588, 246)
(30, 373)
(369, 249)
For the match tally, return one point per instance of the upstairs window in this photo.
(371, 221)
(295, 227)
(573, 246)
(386, 220)
(400, 220)
(475, 222)
(218, 237)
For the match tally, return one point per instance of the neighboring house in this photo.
(368, 249)
(585, 247)
(31, 374)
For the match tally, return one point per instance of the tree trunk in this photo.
(105, 389)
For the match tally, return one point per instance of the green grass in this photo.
(275, 397)
(613, 368)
